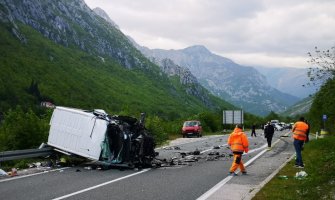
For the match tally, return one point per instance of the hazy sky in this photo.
(250, 32)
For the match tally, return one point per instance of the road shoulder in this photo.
(260, 172)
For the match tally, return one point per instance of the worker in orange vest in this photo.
(300, 132)
(238, 142)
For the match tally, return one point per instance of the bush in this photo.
(23, 130)
(155, 126)
(210, 121)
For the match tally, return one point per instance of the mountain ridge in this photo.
(226, 79)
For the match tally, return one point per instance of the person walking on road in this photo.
(300, 132)
(268, 133)
(253, 130)
(238, 142)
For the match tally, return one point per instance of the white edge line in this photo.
(100, 185)
(225, 180)
(24, 176)
(215, 188)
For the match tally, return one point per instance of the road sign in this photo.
(233, 117)
(324, 117)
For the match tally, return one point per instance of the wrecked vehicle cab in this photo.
(95, 135)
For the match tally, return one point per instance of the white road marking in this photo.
(100, 185)
(212, 148)
(28, 175)
(182, 141)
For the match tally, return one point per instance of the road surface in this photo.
(191, 168)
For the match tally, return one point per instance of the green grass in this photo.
(319, 158)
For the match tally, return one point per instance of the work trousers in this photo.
(298, 148)
(253, 133)
(269, 140)
(237, 163)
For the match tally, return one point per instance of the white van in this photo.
(98, 136)
(78, 132)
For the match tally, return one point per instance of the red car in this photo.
(192, 127)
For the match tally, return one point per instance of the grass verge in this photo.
(319, 160)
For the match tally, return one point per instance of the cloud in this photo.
(268, 31)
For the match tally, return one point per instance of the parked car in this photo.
(278, 127)
(192, 127)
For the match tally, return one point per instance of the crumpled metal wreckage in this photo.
(107, 140)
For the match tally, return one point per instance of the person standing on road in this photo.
(253, 130)
(300, 132)
(268, 133)
(238, 142)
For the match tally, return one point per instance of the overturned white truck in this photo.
(108, 140)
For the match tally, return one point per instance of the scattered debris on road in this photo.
(3, 173)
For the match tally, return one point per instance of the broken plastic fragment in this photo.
(283, 177)
(2, 173)
(300, 175)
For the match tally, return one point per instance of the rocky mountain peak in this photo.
(171, 69)
(55, 19)
(197, 49)
(100, 12)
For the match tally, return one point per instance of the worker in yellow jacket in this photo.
(300, 132)
(238, 142)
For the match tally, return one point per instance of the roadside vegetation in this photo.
(322, 73)
(319, 183)
(318, 155)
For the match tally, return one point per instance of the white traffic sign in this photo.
(233, 117)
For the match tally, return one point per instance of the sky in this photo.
(268, 33)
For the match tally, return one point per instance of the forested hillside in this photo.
(44, 71)
(323, 104)
(87, 65)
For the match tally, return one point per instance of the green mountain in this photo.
(63, 52)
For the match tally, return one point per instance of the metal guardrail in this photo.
(27, 153)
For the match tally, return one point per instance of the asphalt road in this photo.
(182, 174)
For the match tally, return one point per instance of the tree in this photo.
(23, 129)
(272, 115)
(323, 73)
(323, 66)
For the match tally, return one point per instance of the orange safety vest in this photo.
(238, 141)
(300, 130)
